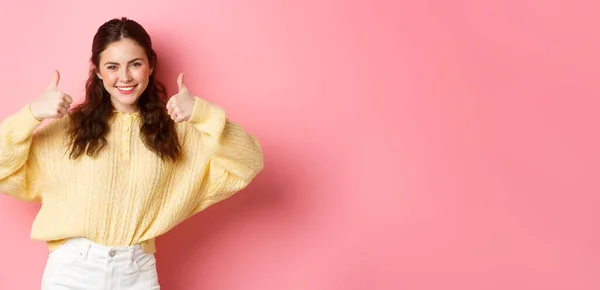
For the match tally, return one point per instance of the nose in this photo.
(124, 75)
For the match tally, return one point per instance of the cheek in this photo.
(141, 75)
(109, 79)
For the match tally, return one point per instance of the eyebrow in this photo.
(133, 60)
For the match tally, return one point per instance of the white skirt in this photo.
(82, 264)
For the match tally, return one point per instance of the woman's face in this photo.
(125, 71)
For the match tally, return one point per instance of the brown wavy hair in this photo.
(89, 120)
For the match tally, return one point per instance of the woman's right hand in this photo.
(52, 103)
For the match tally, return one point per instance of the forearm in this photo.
(16, 132)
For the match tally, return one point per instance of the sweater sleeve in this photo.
(233, 156)
(17, 165)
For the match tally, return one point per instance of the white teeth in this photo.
(125, 88)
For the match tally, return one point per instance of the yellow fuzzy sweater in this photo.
(126, 195)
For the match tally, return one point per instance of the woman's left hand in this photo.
(181, 105)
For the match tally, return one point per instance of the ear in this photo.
(151, 71)
(98, 73)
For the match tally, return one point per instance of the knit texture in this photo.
(126, 195)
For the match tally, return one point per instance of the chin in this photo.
(127, 99)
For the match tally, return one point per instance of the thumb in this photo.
(180, 82)
(55, 79)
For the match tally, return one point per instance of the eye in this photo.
(136, 64)
(111, 67)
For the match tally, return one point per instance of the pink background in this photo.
(408, 144)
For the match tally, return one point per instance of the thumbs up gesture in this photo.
(181, 105)
(52, 103)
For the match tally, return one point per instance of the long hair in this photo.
(89, 120)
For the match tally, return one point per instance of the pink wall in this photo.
(440, 145)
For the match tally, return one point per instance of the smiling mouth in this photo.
(126, 90)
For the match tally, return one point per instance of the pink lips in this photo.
(126, 90)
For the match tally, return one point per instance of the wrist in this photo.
(33, 113)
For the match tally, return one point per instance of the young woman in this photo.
(122, 168)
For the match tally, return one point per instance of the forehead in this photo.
(122, 51)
